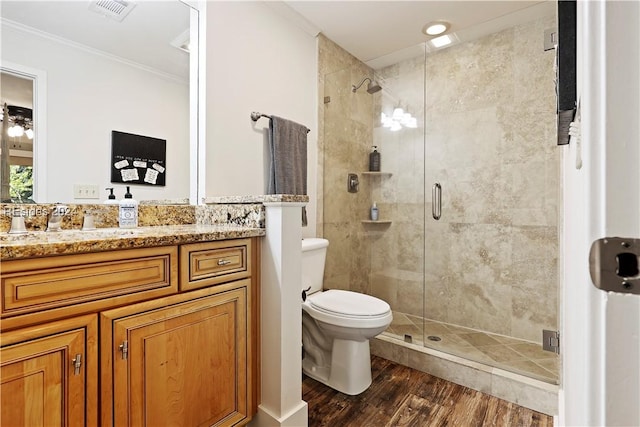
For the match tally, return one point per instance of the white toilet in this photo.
(337, 326)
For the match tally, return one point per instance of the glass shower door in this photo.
(491, 257)
(397, 248)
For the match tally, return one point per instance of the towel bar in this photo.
(256, 115)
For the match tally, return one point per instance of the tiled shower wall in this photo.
(344, 147)
(490, 263)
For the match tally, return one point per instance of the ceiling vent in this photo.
(113, 9)
(183, 41)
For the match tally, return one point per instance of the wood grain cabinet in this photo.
(49, 374)
(185, 359)
(183, 364)
(212, 263)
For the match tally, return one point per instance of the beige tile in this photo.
(537, 398)
(501, 353)
(530, 350)
(479, 339)
(527, 367)
(410, 297)
(450, 371)
(457, 329)
(390, 351)
(534, 309)
(338, 259)
(464, 350)
(402, 330)
(401, 319)
(391, 331)
(435, 328)
(387, 290)
(504, 339)
(552, 364)
(455, 339)
(417, 320)
(485, 305)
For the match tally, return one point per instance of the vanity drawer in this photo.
(98, 278)
(211, 263)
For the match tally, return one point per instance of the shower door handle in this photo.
(436, 201)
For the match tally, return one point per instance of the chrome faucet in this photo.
(88, 222)
(17, 223)
(54, 220)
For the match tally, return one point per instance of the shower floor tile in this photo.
(511, 354)
(478, 339)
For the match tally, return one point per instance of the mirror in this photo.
(99, 67)
(16, 151)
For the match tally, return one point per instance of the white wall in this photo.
(89, 99)
(601, 330)
(257, 60)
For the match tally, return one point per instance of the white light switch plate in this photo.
(86, 191)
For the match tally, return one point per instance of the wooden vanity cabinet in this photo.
(48, 374)
(185, 359)
(181, 361)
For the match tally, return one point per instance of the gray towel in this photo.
(288, 170)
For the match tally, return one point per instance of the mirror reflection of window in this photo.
(16, 151)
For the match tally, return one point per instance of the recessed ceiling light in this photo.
(440, 41)
(435, 28)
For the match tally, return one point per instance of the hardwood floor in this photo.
(401, 396)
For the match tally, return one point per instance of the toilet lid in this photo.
(349, 303)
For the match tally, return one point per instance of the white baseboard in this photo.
(298, 417)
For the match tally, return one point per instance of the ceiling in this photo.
(143, 37)
(381, 33)
(16, 90)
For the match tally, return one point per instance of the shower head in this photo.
(372, 87)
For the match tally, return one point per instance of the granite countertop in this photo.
(40, 243)
(265, 198)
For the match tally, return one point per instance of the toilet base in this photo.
(350, 370)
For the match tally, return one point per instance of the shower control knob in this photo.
(304, 293)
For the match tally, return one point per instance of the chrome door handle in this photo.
(223, 262)
(436, 201)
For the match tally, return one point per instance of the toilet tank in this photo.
(314, 252)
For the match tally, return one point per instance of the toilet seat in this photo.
(348, 309)
(350, 304)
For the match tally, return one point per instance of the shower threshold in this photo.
(511, 354)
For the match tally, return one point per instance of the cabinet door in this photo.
(44, 381)
(182, 365)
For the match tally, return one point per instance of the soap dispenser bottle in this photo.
(111, 199)
(374, 160)
(128, 215)
(374, 212)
